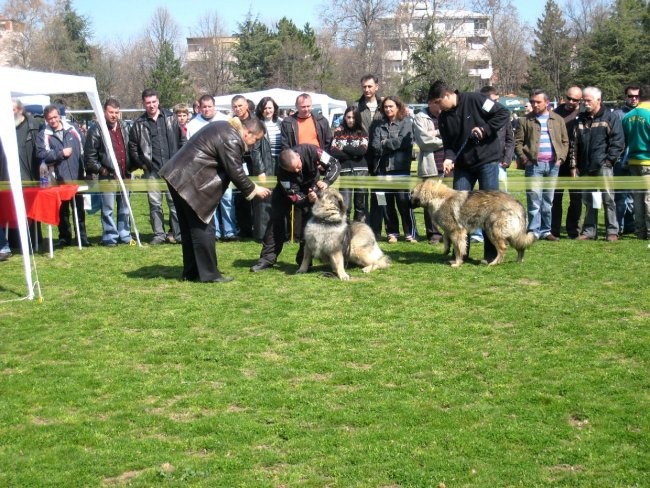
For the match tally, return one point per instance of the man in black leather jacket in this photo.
(98, 163)
(298, 176)
(154, 138)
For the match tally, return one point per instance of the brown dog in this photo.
(501, 216)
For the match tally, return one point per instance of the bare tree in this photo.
(31, 14)
(585, 15)
(508, 43)
(211, 58)
(357, 25)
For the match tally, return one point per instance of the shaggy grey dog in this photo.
(329, 238)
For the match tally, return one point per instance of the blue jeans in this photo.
(226, 226)
(113, 233)
(4, 244)
(540, 201)
(624, 202)
(487, 176)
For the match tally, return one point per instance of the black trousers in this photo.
(573, 212)
(199, 251)
(66, 212)
(276, 231)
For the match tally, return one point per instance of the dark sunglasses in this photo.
(632, 96)
(570, 99)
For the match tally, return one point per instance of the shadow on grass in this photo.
(427, 257)
(152, 272)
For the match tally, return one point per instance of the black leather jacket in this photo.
(139, 147)
(95, 155)
(204, 167)
(599, 141)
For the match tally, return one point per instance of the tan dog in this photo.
(329, 238)
(458, 213)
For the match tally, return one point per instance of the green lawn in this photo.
(532, 374)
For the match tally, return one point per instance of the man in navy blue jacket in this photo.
(469, 123)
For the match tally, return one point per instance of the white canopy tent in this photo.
(286, 98)
(17, 82)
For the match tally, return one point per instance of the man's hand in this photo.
(263, 193)
(311, 196)
(447, 166)
(478, 133)
(321, 185)
(574, 172)
(67, 152)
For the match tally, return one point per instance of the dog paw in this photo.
(344, 277)
(455, 264)
(301, 271)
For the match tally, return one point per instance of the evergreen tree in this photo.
(253, 54)
(550, 64)
(78, 32)
(293, 65)
(168, 79)
(431, 60)
(617, 52)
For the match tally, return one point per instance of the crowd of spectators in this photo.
(467, 135)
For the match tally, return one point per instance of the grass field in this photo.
(526, 375)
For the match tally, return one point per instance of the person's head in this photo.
(111, 111)
(150, 101)
(528, 108)
(18, 109)
(369, 86)
(644, 93)
(442, 95)
(196, 107)
(239, 106)
(538, 100)
(206, 106)
(182, 113)
(303, 106)
(352, 120)
(52, 117)
(252, 130)
(632, 95)
(592, 96)
(490, 92)
(393, 108)
(573, 98)
(267, 109)
(290, 161)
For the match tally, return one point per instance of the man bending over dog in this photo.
(469, 123)
(299, 173)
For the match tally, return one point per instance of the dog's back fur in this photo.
(329, 238)
(458, 213)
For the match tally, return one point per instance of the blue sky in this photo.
(124, 19)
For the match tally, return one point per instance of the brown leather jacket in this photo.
(204, 167)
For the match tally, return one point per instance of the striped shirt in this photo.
(273, 133)
(545, 149)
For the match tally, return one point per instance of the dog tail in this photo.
(523, 240)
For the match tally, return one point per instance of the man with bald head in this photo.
(569, 111)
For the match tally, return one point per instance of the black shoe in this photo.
(63, 243)
(220, 279)
(109, 244)
(85, 243)
(256, 268)
(5, 255)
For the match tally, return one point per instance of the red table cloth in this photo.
(41, 204)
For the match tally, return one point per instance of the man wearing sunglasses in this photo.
(568, 110)
(623, 198)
